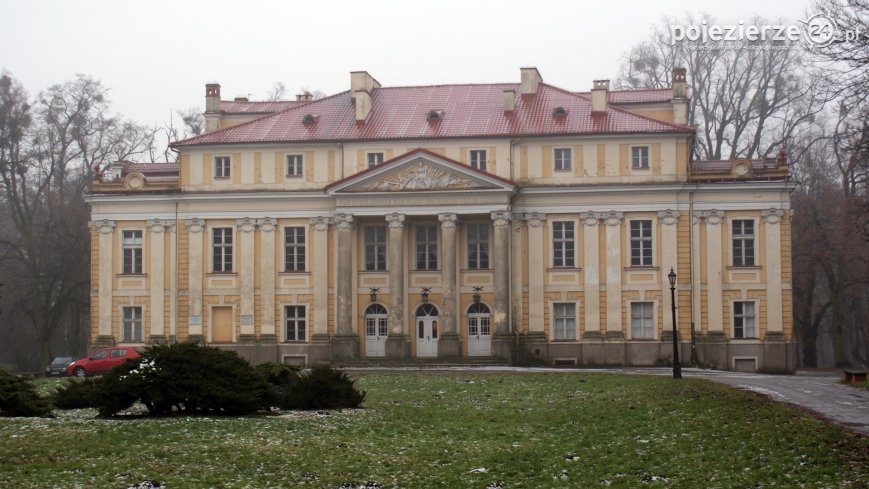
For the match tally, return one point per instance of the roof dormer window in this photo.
(559, 112)
(435, 115)
(310, 119)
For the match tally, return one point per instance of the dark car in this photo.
(57, 367)
(102, 361)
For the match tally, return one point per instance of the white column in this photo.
(714, 271)
(591, 273)
(246, 227)
(267, 227)
(157, 270)
(667, 220)
(517, 282)
(320, 275)
(395, 264)
(195, 227)
(501, 273)
(536, 270)
(613, 222)
(772, 219)
(106, 253)
(448, 272)
(344, 236)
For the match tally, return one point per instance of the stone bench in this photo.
(850, 376)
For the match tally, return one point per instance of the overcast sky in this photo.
(156, 56)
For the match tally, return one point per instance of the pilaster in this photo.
(536, 269)
(772, 220)
(667, 221)
(246, 228)
(268, 326)
(195, 228)
(157, 277)
(714, 270)
(319, 270)
(591, 274)
(106, 229)
(613, 222)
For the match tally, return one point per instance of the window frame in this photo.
(378, 265)
(477, 245)
(642, 239)
(298, 165)
(744, 259)
(223, 163)
(296, 319)
(652, 317)
(300, 265)
(133, 320)
(223, 245)
(754, 317)
(427, 244)
(370, 154)
(554, 314)
(478, 164)
(648, 157)
(132, 249)
(563, 243)
(556, 161)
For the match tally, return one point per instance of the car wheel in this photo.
(79, 372)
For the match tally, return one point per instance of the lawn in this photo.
(462, 430)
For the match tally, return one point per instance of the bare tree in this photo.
(277, 92)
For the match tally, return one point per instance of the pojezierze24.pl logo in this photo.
(818, 30)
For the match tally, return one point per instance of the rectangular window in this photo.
(478, 245)
(743, 243)
(295, 323)
(294, 249)
(375, 248)
(565, 320)
(563, 159)
(744, 320)
(641, 243)
(640, 157)
(221, 167)
(563, 244)
(426, 247)
(132, 245)
(478, 159)
(641, 320)
(132, 324)
(375, 159)
(222, 249)
(295, 165)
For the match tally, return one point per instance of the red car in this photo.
(102, 361)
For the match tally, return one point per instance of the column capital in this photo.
(319, 223)
(448, 220)
(713, 216)
(245, 224)
(395, 220)
(613, 218)
(668, 217)
(156, 226)
(535, 219)
(267, 224)
(500, 218)
(343, 221)
(195, 225)
(590, 218)
(104, 226)
(772, 216)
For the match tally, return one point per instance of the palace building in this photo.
(517, 221)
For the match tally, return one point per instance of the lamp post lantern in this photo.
(677, 367)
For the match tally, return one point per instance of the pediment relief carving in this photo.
(420, 174)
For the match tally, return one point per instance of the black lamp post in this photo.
(677, 367)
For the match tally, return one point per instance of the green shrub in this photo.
(78, 394)
(18, 397)
(325, 388)
(282, 381)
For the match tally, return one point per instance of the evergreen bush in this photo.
(78, 394)
(282, 381)
(325, 388)
(18, 397)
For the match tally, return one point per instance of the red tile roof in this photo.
(468, 111)
(247, 107)
(152, 169)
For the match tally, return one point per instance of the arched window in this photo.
(426, 310)
(479, 318)
(375, 321)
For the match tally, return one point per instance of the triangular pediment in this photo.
(420, 171)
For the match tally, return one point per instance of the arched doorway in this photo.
(426, 331)
(375, 331)
(479, 331)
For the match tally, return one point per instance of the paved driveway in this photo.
(820, 393)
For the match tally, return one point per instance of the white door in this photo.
(375, 331)
(426, 331)
(479, 331)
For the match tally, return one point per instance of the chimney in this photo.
(509, 100)
(212, 107)
(530, 80)
(241, 99)
(363, 104)
(305, 96)
(361, 80)
(680, 96)
(599, 93)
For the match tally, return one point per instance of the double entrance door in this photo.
(426, 331)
